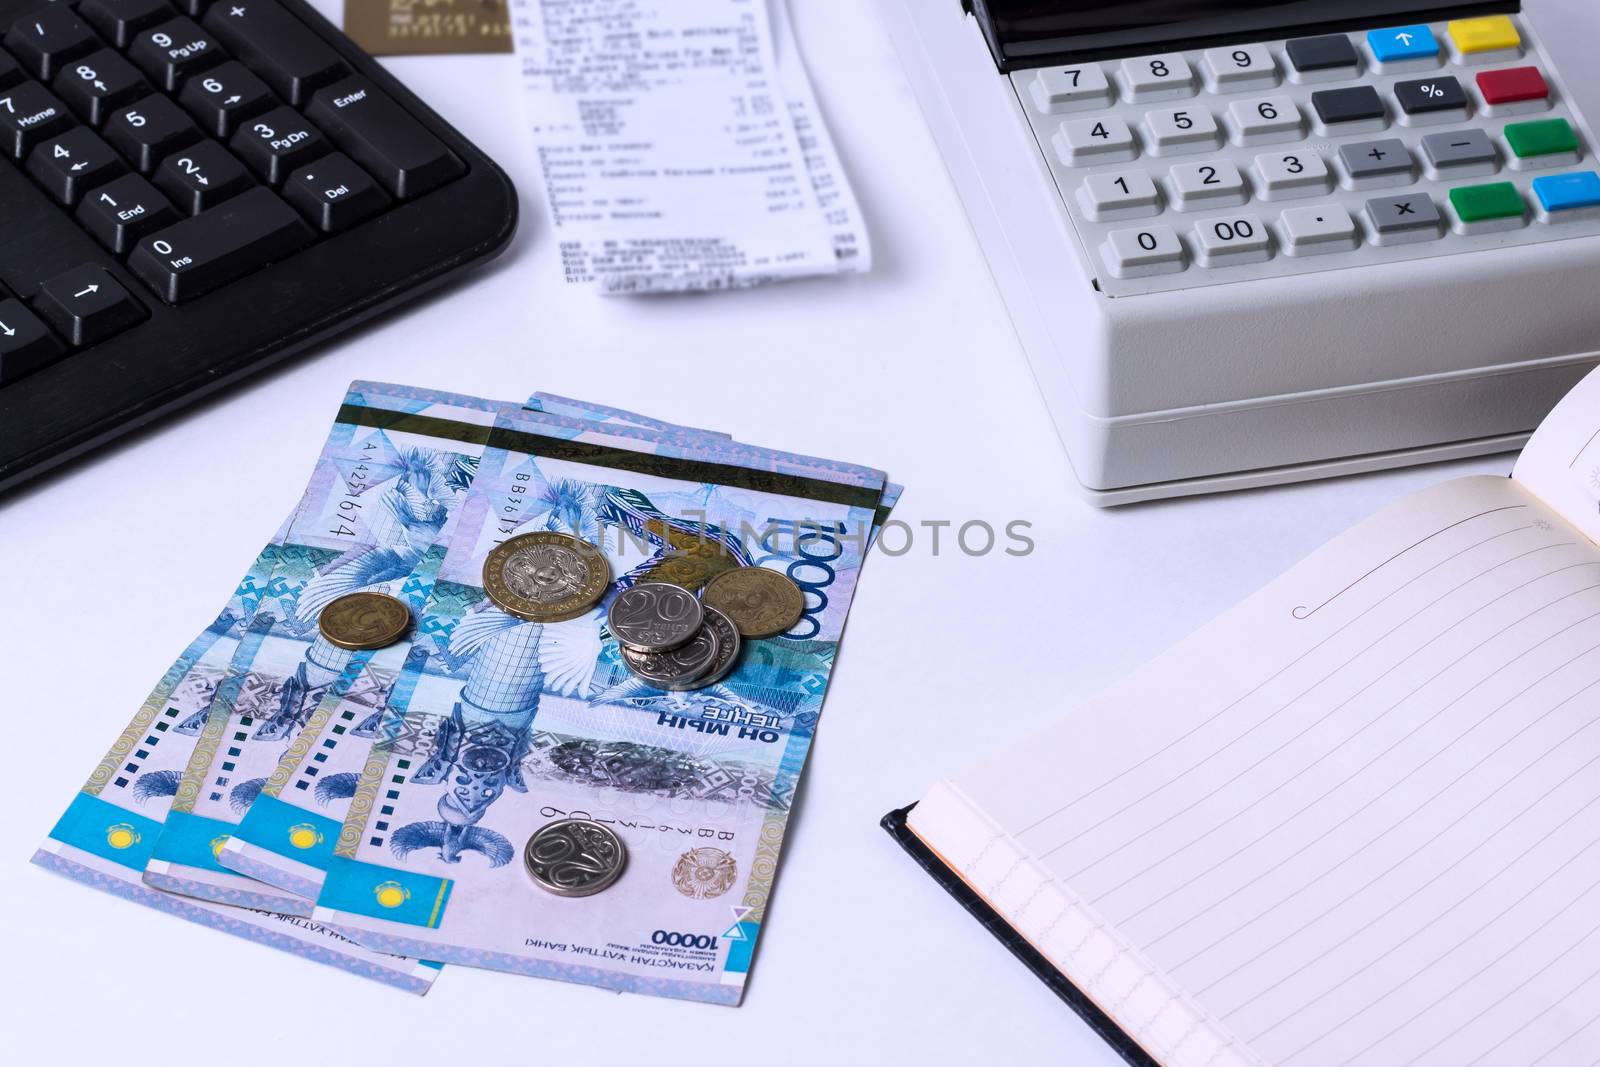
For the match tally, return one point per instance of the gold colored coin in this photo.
(360, 621)
(545, 576)
(761, 602)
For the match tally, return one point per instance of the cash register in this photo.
(1248, 243)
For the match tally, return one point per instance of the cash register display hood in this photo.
(1036, 33)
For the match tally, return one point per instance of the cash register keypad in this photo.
(1199, 168)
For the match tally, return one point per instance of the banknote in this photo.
(428, 27)
(495, 727)
(108, 832)
(583, 409)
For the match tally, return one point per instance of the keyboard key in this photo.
(149, 131)
(1460, 154)
(1114, 197)
(276, 45)
(86, 305)
(1207, 185)
(1312, 231)
(1403, 48)
(197, 255)
(1487, 208)
(384, 138)
(1275, 118)
(1332, 56)
(99, 84)
(1518, 91)
(173, 51)
(1374, 164)
(1143, 252)
(201, 176)
(1484, 40)
(224, 96)
(1191, 129)
(1165, 77)
(1283, 175)
(46, 38)
(1098, 140)
(119, 213)
(335, 194)
(11, 72)
(1232, 241)
(1059, 89)
(30, 114)
(1405, 219)
(1564, 197)
(1432, 100)
(69, 165)
(1542, 143)
(1355, 110)
(1246, 66)
(25, 343)
(119, 21)
(278, 142)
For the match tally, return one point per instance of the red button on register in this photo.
(1512, 86)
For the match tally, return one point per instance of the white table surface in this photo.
(110, 569)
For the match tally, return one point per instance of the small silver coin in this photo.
(728, 646)
(574, 857)
(677, 668)
(654, 617)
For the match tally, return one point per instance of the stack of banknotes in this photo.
(378, 809)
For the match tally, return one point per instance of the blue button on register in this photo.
(1568, 192)
(1402, 43)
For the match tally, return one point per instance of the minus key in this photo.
(1460, 154)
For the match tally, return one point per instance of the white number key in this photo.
(1165, 77)
(1097, 140)
(1272, 118)
(1310, 231)
(1286, 174)
(1231, 241)
(1207, 185)
(1248, 66)
(1058, 89)
(1143, 252)
(1191, 129)
(1113, 197)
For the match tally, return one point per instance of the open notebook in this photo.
(1354, 821)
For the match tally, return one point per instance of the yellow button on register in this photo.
(1496, 33)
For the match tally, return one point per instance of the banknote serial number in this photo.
(681, 940)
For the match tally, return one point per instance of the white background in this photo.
(110, 569)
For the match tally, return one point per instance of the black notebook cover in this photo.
(1099, 1021)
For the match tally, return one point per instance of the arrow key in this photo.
(201, 176)
(86, 305)
(220, 98)
(69, 165)
(120, 213)
(98, 84)
(25, 344)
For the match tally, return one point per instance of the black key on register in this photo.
(334, 194)
(173, 51)
(1359, 104)
(150, 130)
(197, 255)
(11, 71)
(119, 213)
(276, 143)
(223, 96)
(385, 139)
(73, 163)
(98, 84)
(86, 305)
(46, 38)
(25, 344)
(30, 114)
(119, 21)
(276, 45)
(201, 176)
(1311, 55)
(1428, 95)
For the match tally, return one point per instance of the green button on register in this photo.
(1545, 137)
(1485, 203)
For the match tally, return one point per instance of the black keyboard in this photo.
(191, 190)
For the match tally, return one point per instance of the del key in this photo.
(378, 134)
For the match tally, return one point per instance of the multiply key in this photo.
(173, 51)
(199, 254)
(30, 114)
(276, 45)
(382, 137)
(45, 39)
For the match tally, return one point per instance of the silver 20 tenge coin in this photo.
(575, 857)
(677, 668)
(654, 616)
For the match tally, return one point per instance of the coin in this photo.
(574, 857)
(728, 645)
(654, 616)
(760, 601)
(364, 620)
(677, 668)
(545, 576)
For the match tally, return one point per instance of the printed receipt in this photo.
(681, 145)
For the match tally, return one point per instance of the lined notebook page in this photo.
(1562, 462)
(1356, 820)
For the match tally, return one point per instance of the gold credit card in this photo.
(428, 27)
